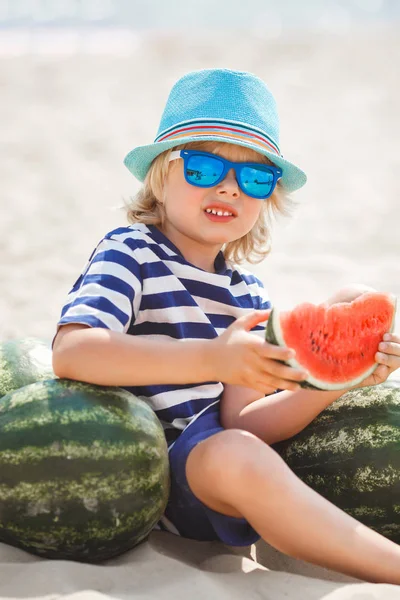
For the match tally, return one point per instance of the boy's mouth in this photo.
(218, 215)
(219, 212)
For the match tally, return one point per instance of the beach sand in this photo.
(66, 124)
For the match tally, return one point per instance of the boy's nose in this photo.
(229, 185)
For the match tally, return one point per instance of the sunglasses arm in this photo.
(174, 155)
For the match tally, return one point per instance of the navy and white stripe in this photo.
(137, 282)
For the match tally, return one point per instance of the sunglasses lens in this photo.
(203, 170)
(257, 182)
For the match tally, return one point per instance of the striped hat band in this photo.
(233, 132)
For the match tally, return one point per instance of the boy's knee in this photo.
(217, 468)
(230, 452)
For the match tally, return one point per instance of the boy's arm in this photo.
(105, 357)
(275, 417)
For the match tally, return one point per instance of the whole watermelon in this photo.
(24, 361)
(350, 454)
(84, 471)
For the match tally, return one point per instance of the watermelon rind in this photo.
(274, 335)
(84, 470)
(350, 455)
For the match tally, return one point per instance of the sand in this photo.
(66, 123)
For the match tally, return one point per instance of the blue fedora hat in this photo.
(223, 106)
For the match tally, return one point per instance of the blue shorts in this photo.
(187, 513)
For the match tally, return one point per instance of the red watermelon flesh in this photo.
(336, 344)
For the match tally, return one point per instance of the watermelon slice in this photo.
(335, 343)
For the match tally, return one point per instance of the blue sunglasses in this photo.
(204, 169)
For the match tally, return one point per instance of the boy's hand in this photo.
(388, 357)
(242, 358)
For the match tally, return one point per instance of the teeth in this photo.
(220, 213)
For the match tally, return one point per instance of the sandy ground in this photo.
(67, 122)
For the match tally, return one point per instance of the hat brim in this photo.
(139, 160)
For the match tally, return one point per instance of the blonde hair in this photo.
(147, 208)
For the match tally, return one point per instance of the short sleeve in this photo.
(108, 291)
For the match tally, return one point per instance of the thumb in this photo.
(252, 319)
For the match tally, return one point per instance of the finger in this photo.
(270, 390)
(389, 360)
(266, 390)
(281, 371)
(268, 350)
(262, 386)
(381, 373)
(286, 384)
(392, 337)
(252, 319)
(390, 348)
(273, 383)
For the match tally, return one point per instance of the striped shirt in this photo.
(137, 282)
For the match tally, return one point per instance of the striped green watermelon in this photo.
(84, 471)
(350, 454)
(335, 343)
(24, 361)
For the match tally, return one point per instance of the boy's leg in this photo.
(235, 473)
